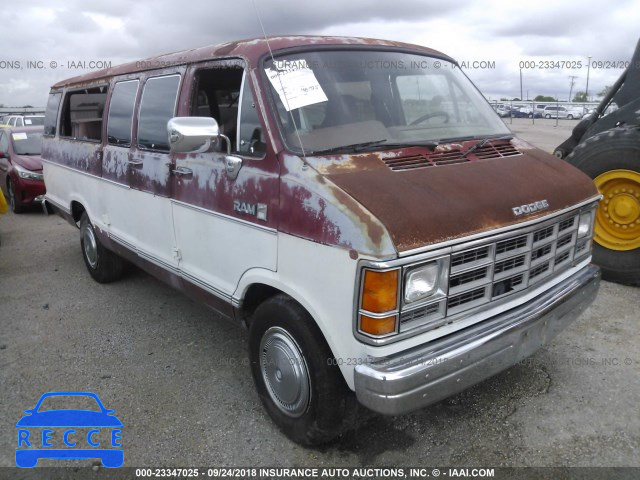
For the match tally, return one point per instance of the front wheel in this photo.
(104, 266)
(295, 373)
(612, 160)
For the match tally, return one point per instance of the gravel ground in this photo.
(177, 375)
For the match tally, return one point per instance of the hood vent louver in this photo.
(434, 159)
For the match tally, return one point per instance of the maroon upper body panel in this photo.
(251, 50)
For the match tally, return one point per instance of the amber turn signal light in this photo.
(380, 291)
(378, 326)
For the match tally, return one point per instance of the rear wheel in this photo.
(13, 198)
(104, 266)
(295, 373)
(612, 160)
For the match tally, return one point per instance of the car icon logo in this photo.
(92, 431)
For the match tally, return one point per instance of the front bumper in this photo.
(28, 191)
(429, 373)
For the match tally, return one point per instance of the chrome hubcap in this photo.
(285, 372)
(90, 246)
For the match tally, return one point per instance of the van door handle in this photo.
(136, 164)
(232, 166)
(182, 171)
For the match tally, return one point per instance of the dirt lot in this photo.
(177, 376)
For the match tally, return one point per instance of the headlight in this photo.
(421, 282)
(584, 225)
(28, 174)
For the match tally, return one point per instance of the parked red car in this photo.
(21, 167)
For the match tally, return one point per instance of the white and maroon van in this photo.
(355, 203)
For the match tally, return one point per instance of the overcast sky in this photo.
(499, 31)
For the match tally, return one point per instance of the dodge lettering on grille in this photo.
(530, 207)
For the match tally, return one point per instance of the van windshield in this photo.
(342, 100)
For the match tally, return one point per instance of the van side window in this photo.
(51, 113)
(121, 107)
(82, 114)
(156, 109)
(216, 94)
(250, 138)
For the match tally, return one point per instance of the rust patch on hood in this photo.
(337, 164)
(448, 147)
(430, 205)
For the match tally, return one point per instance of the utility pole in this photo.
(588, 68)
(573, 82)
(521, 97)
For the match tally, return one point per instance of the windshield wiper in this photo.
(484, 141)
(365, 146)
(354, 146)
(430, 144)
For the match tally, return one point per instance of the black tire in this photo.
(570, 117)
(612, 150)
(329, 405)
(547, 116)
(105, 266)
(13, 198)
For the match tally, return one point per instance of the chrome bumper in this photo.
(427, 374)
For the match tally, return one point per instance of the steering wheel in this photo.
(438, 113)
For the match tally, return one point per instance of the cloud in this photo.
(504, 32)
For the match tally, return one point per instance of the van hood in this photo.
(435, 202)
(30, 162)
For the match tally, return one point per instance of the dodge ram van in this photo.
(355, 203)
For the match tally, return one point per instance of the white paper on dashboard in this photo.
(297, 87)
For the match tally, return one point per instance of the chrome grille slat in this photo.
(486, 272)
(431, 314)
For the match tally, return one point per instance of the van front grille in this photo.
(490, 273)
(482, 274)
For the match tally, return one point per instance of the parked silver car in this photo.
(559, 112)
(24, 120)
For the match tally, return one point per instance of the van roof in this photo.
(249, 49)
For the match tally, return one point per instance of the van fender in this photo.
(330, 305)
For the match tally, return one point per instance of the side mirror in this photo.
(192, 134)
